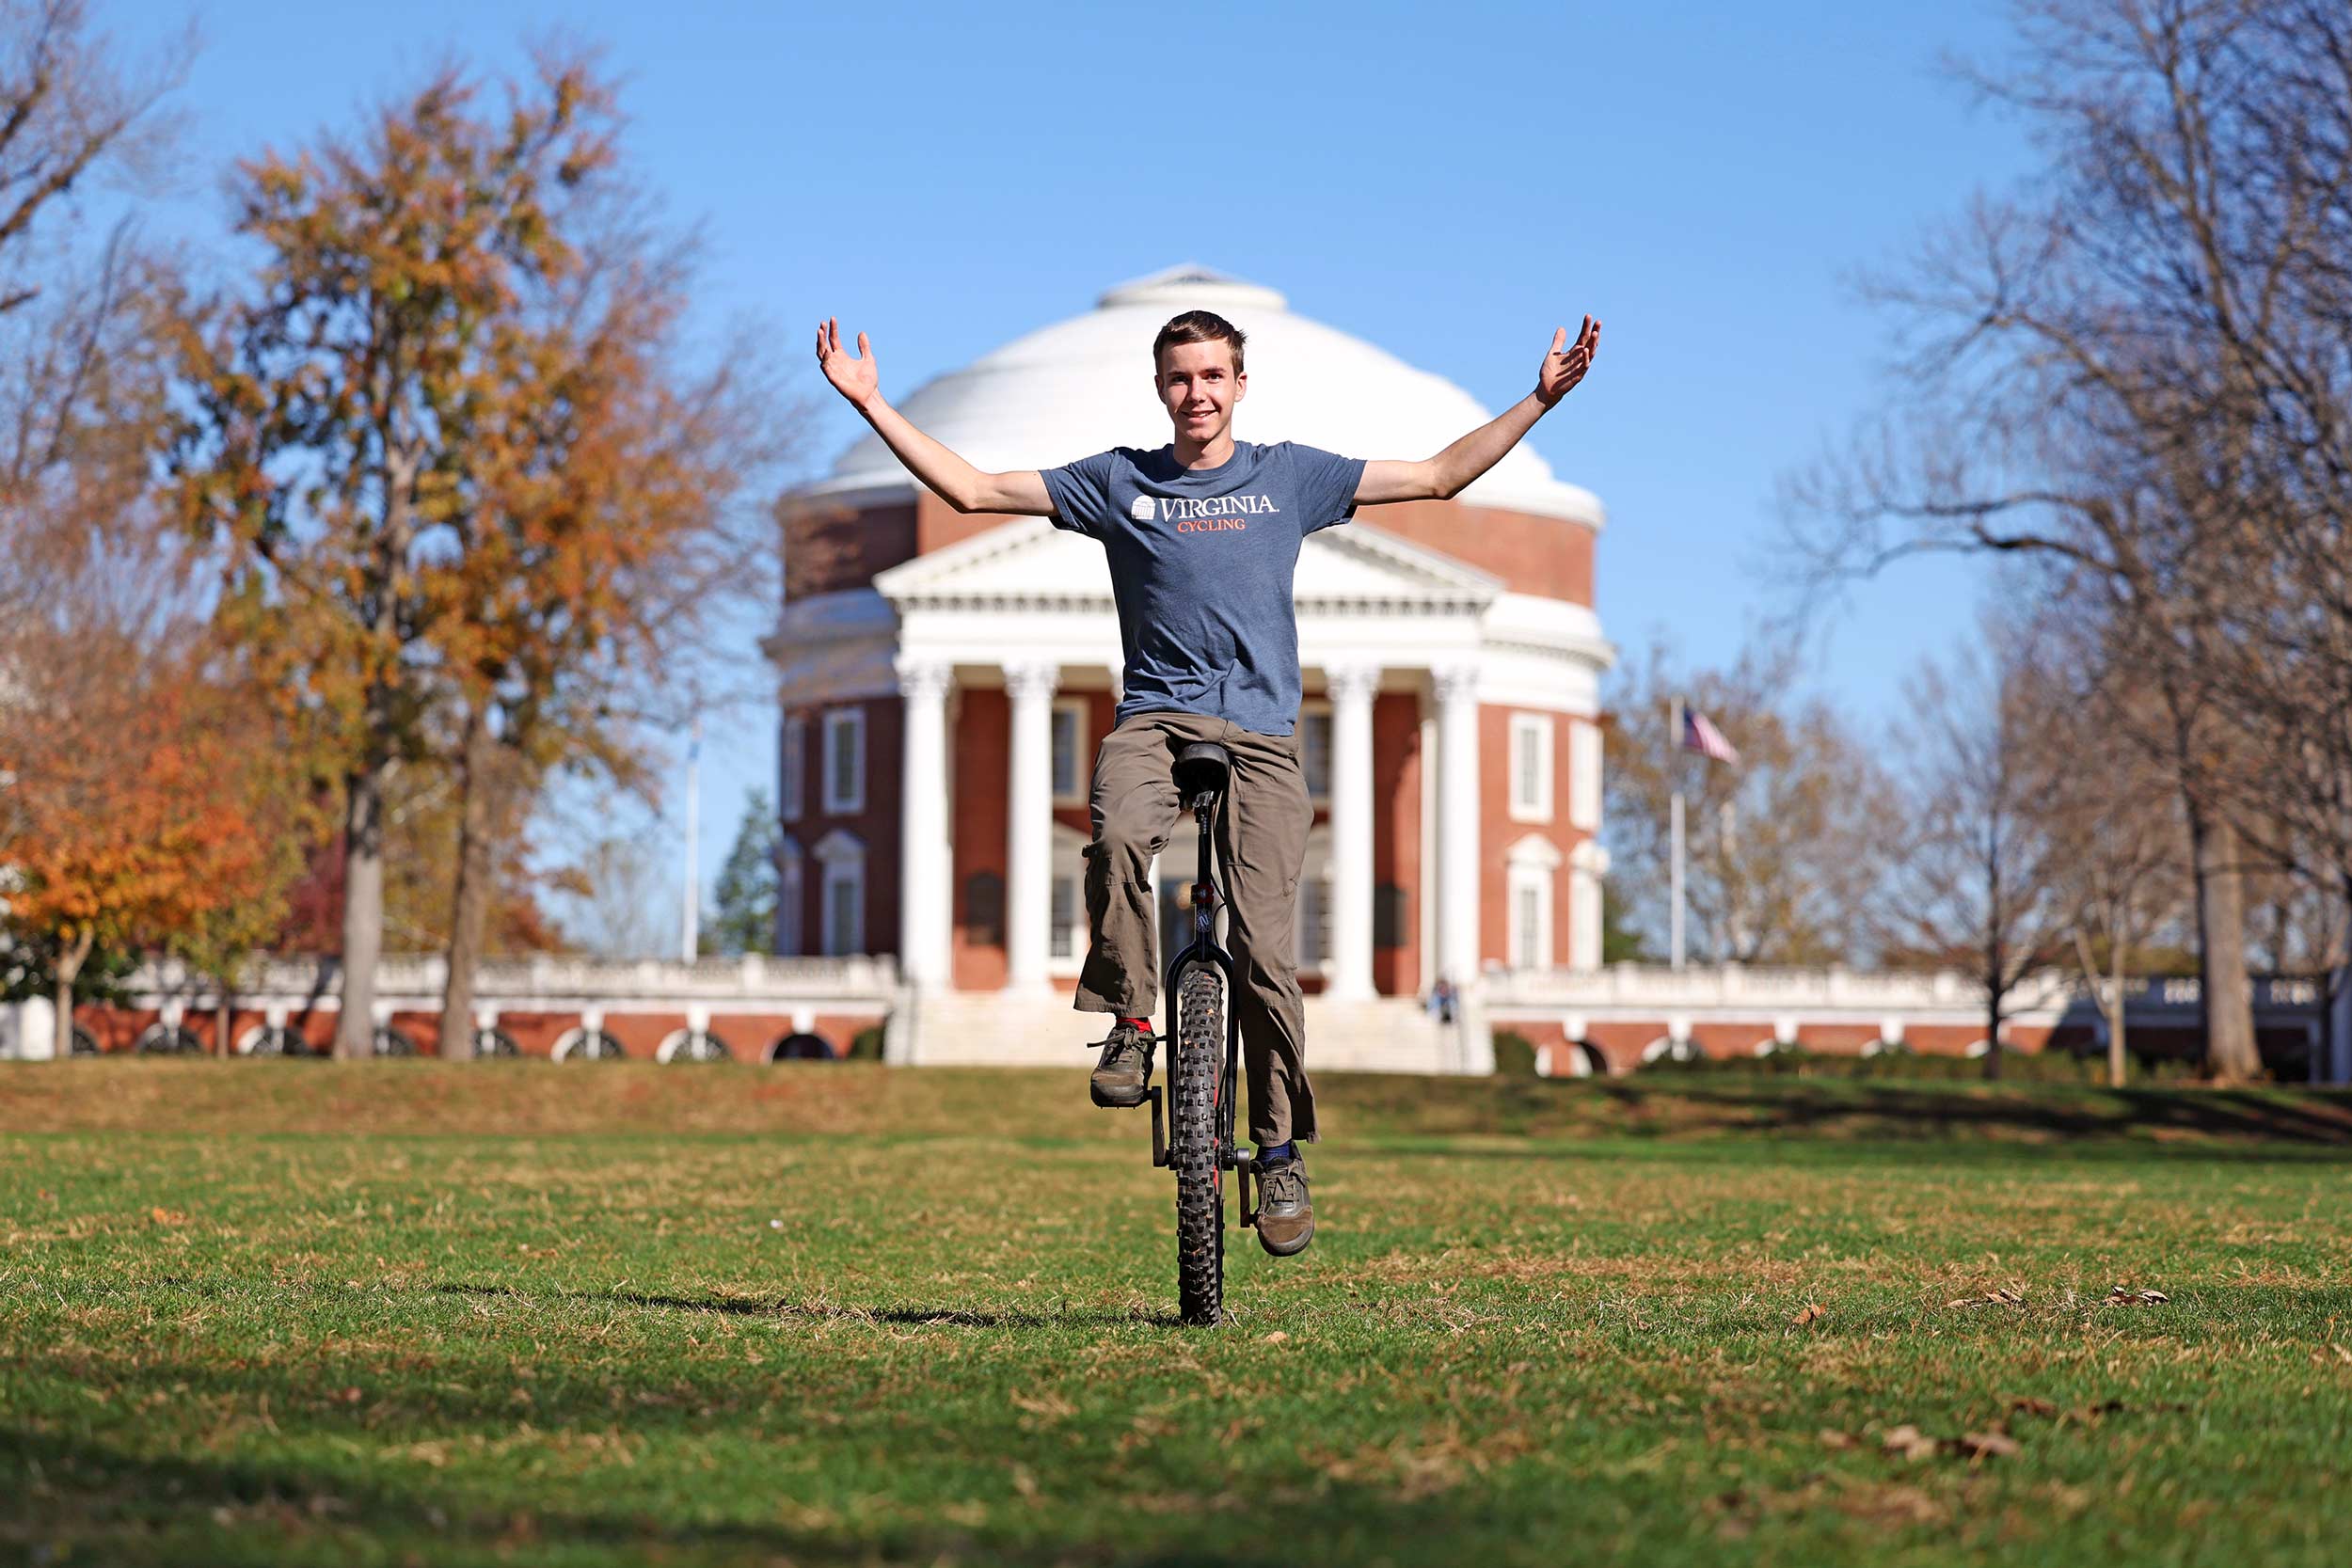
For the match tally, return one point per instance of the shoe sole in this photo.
(1111, 1099)
(1286, 1249)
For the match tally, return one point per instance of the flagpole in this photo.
(689, 926)
(1674, 769)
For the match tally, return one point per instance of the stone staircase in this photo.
(1002, 1029)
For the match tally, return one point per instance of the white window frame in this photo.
(1081, 713)
(1584, 776)
(789, 903)
(842, 722)
(1588, 863)
(792, 771)
(1315, 707)
(1533, 867)
(843, 858)
(1530, 730)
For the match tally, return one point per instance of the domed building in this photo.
(945, 679)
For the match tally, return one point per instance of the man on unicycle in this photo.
(1202, 536)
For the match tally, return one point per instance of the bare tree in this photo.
(2136, 368)
(1975, 883)
(2120, 862)
(1785, 848)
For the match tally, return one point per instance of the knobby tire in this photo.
(1200, 1056)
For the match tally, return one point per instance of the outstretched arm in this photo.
(1444, 476)
(858, 377)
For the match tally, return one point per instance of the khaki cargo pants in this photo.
(1261, 847)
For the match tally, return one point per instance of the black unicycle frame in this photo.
(1203, 951)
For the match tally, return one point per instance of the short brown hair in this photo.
(1198, 326)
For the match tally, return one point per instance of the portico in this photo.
(1023, 613)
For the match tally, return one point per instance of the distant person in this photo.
(1202, 536)
(1441, 1000)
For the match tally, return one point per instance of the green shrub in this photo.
(1515, 1055)
(867, 1044)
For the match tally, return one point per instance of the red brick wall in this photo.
(982, 743)
(937, 525)
(1101, 706)
(876, 827)
(1396, 848)
(1548, 556)
(829, 548)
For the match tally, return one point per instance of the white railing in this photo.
(520, 983)
(1737, 986)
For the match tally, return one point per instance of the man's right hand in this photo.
(855, 376)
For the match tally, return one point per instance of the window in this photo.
(1070, 752)
(845, 917)
(789, 898)
(1533, 863)
(1530, 768)
(842, 914)
(1314, 748)
(845, 761)
(792, 770)
(1066, 909)
(1314, 927)
(1584, 776)
(1063, 937)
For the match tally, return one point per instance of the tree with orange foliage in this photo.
(350, 419)
(613, 522)
(145, 812)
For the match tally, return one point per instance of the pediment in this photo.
(1033, 564)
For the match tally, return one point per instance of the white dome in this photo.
(1084, 385)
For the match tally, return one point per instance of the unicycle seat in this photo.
(1202, 768)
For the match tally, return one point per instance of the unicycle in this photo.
(1204, 1061)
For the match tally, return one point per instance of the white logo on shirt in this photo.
(1141, 509)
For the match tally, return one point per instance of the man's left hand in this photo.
(1566, 365)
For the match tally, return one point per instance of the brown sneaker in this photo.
(1286, 1214)
(1125, 1069)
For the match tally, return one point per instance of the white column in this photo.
(923, 869)
(1029, 825)
(1351, 690)
(1457, 824)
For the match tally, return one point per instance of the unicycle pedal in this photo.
(1246, 1198)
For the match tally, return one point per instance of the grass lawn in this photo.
(513, 1312)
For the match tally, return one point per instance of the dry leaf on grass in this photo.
(1275, 1337)
(1832, 1438)
(1909, 1442)
(1988, 1445)
(167, 1216)
(1814, 1312)
(2124, 1296)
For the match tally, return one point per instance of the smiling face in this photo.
(1199, 385)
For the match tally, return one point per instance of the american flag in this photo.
(1700, 735)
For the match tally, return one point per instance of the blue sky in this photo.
(1449, 181)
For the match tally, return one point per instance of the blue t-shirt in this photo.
(1201, 564)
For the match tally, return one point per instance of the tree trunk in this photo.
(224, 1015)
(1993, 1032)
(469, 901)
(364, 912)
(2117, 1061)
(2223, 989)
(69, 969)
